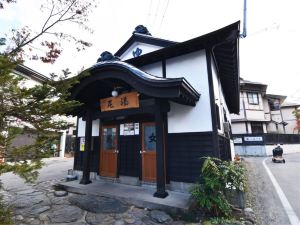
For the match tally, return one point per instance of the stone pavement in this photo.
(38, 204)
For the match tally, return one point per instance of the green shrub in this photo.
(216, 178)
(5, 213)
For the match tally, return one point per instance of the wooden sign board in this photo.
(123, 101)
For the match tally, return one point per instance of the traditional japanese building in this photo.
(155, 107)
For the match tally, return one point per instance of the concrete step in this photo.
(139, 196)
(129, 180)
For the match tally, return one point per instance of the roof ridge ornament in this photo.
(107, 56)
(140, 29)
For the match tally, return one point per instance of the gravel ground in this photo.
(262, 195)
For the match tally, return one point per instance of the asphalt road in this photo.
(54, 169)
(288, 177)
(265, 199)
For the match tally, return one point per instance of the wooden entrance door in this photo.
(148, 152)
(109, 151)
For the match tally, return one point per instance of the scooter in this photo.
(277, 155)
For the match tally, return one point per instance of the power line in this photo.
(156, 12)
(149, 12)
(162, 19)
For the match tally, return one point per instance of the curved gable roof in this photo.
(175, 89)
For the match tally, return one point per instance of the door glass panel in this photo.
(109, 136)
(149, 138)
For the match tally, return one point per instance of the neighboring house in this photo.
(263, 121)
(154, 109)
(287, 110)
(259, 112)
(32, 78)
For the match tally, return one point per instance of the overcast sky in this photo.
(269, 54)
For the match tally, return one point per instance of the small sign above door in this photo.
(123, 101)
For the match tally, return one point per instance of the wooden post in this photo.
(87, 148)
(160, 153)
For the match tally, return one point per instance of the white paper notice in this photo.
(121, 129)
(136, 128)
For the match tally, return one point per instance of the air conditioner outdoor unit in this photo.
(226, 126)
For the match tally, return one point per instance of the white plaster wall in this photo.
(232, 150)
(146, 48)
(265, 128)
(95, 128)
(239, 128)
(288, 116)
(250, 150)
(81, 128)
(249, 127)
(27, 82)
(182, 118)
(255, 115)
(266, 105)
(276, 116)
(287, 113)
(153, 69)
(287, 149)
(265, 150)
(217, 95)
(271, 128)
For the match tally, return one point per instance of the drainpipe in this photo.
(244, 34)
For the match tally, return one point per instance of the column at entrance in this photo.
(160, 151)
(87, 148)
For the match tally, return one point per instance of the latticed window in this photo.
(252, 98)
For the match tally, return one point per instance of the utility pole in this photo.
(244, 34)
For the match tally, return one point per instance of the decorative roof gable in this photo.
(140, 44)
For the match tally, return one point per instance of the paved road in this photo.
(288, 177)
(54, 169)
(266, 201)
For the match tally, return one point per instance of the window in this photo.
(274, 104)
(257, 128)
(252, 98)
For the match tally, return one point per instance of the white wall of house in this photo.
(255, 115)
(220, 98)
(81, 128)
(288, 116)
(146, 48)
(183, 118)
(153, 69)
(239, 128)
(27, 82)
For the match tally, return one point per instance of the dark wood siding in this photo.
(129, 155)
(224, 145)
(94, 158)
(184, 153)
